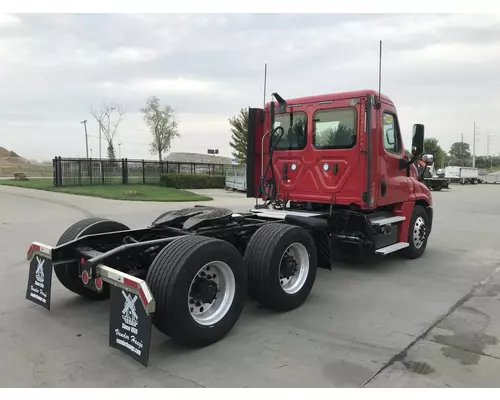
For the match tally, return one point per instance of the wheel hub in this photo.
(419, 232)
(211, 293)
(294, 268)
(288, 266)
(204, 290)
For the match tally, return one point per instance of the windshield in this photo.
(295, 131)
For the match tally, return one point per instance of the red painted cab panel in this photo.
(326, 154)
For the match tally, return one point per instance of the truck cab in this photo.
(342, 149)
(335, 152)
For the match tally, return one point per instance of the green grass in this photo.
(116, 192)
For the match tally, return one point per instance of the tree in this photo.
(239, 137)
(163, 124)
(431, 146)
(109, 117)
(460, 151)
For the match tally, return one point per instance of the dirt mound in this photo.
(4, 152)
(5, 163)
(11, 158)
(7, 153)
(17, 160)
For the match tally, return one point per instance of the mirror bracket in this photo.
(403, 164)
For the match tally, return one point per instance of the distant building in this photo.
(197, 158)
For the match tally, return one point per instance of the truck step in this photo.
(387, 221)
(392, 248)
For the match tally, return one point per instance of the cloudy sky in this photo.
(440, 70)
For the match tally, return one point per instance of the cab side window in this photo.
(391, 137)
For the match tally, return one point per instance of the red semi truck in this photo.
(332, 177)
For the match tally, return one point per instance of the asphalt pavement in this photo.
(391, 322)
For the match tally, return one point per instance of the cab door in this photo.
(394, 184)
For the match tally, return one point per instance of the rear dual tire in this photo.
(182, 279)
(68, 274)
(281, 261)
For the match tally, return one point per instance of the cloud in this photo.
(440, 70)
(7, 20)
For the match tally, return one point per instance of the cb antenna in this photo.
(379, 76)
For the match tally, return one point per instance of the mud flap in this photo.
(129, 324)
(131, 302)
(131, 306)
(40, 281)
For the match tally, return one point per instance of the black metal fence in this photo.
(86, 172)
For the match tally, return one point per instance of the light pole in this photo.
(84, 122)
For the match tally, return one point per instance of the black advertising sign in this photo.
(40, 281)
(129, 325)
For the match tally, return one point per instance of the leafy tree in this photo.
(163, 124)
(431, 146)
(239, 136)
(460, 151)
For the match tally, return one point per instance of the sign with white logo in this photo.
(129, 325)
(40, 281)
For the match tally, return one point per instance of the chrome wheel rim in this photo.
(294, 268)
(211, 293)
(419, 233)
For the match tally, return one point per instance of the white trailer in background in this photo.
(462, 174)
(491, 178)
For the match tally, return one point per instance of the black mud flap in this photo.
(40, 281)
(129, 324)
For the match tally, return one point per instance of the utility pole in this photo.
(100, 133)
(84, 122)
(488, 138)
(474, 147)
(462, 151)
(119, 150)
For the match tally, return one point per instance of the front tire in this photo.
(281, 261)
(199, 285)
(418, 233)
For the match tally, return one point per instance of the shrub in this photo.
(192, 181)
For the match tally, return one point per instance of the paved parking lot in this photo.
(428, 322)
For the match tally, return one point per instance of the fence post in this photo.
(54, 171)
(143, 171)
(126, 171)
(123, 170)
(80, 172)
(102, 171)
(59, 171)
(90, 168)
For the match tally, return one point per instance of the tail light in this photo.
(85, 277)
